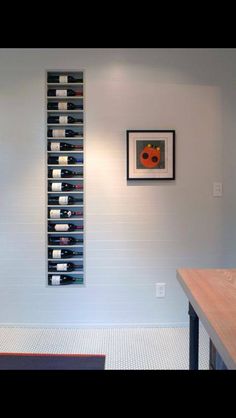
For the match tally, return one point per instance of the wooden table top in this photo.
(212, 293)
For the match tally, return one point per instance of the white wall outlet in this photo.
(160, 290)
(217, 189)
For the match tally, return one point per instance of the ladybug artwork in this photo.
(150, 156)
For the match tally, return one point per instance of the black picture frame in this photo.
(157, 147)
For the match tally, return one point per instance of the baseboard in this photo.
(95, 326)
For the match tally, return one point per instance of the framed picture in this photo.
(151, 155)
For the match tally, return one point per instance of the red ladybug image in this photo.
(150, 156)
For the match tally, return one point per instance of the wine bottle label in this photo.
(58, 132)
(62, 105)
(56, 254)
(63, 119)
(63, 227)
(64, 241)
(63, 200)
(56, 174)
(55, 280)
(61, 92)
(63, 160)
(56, 187)
(55, 146)
(63, 79)
(61, 267)
(55, 213)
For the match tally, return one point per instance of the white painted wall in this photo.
(138, 233)
(229, 177)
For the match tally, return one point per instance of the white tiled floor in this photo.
(125, 348)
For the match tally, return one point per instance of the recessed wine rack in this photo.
(65, 168)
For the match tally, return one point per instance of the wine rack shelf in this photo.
(71, 105)
(71, 125)
(64, 85)
(67, 152)
(65, 246)
(70, 192)
(65, 111)
(67, 272)
(65, 219)
(63, 138)
(65, 259)
(79, 231)
(65, 97)
(66, 206)
(65, 165)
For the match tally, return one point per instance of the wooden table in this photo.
(212, 299)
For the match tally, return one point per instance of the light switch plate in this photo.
(217, 189)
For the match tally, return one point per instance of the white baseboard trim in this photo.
(95, 326)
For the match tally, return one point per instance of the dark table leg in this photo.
(193, 338)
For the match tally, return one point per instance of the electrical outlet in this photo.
(160, 290)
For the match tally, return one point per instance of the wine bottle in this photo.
(64, 266)
(64, 79)
(63, 173)
(64, 106)
(64, 227)
(65, 160)
(56, 280)
(63, 200)
(63, 120)
(63, 146)
(64, 92)
(63, 213)
(55, 133)
(64, 241)
(63, 187)
(63, 253)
